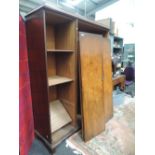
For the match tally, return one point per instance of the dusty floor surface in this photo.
(118, 137)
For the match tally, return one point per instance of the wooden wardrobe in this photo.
(64, 69)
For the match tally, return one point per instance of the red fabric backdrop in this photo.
(26, 126)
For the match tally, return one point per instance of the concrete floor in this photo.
(38, 147)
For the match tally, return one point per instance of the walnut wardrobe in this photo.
(70, 67)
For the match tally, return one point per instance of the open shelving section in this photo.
(60, 41)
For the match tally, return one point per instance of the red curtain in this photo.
(26, 126)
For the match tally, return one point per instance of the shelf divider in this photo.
(55, 80)
(59, 51)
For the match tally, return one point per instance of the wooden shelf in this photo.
(55, 80)
(59, 51)
(58, 115)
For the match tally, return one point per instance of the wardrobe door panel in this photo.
(91, 78)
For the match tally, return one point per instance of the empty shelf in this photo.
(59, 50)
(55, 80)
(59, 116)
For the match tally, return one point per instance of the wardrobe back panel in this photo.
(67, 60)
(65, 36)
(53, 93)
(51, 64)
(50, 36)
(66, 93)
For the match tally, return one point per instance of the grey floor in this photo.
(38, 147)
(119, 96)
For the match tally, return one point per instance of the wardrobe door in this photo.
(91, 78)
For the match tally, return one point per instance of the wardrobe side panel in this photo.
(35, 26)
(107, 80)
